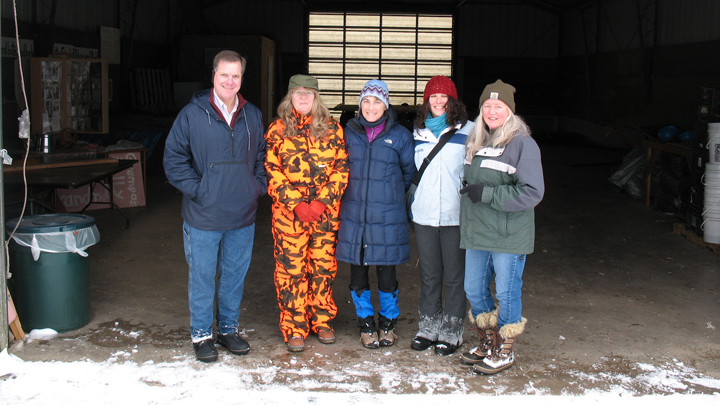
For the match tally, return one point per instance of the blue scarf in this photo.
(436, 125)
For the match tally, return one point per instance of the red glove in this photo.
(317, 209)
(303, 212)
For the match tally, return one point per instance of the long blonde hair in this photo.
(319, 128)
(480, 137)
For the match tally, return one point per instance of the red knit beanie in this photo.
(442, 85)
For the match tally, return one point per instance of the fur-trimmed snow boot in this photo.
(501, 355)
(484, 322)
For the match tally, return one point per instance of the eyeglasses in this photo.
(302, 93)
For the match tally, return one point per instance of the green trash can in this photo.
(50, 281)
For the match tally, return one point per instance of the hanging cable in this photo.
(25, 119)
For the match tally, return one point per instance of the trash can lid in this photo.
(50, 223)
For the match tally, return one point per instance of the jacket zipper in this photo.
(232, 132)
(232, 144)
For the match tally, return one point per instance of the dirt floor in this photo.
(609, 294)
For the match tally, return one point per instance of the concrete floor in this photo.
(609, 290)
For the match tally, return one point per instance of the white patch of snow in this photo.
(41, 334)
(188, 382)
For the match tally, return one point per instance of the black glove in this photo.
(474, 191)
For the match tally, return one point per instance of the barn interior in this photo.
(622, 97)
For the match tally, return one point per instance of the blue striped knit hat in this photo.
(376, 88)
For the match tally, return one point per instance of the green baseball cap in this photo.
(303, 81)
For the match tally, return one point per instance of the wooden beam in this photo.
(384, 6)
(15, 326)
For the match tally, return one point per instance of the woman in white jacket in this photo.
(436, 216)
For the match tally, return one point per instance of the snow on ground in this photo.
(189, 382)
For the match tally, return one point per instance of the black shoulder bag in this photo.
(410, 195)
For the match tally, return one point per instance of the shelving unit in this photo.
(69, 94)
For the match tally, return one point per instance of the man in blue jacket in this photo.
(215, 155)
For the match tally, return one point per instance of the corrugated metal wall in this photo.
(281, 21)
(501, 29)
(689, 21)
(617, 25)
(151, 20)
(80, 15)
(24, 10)
(621, 25)
(590, 53)
(510, 29)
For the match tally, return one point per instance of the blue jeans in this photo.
(225, 254)
(480, 266)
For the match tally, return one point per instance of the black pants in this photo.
(442, 267)
(360, 280)
(387, 283)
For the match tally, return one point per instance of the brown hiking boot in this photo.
(326, 336)
(295, 344)
(369, 340)
(387, 338)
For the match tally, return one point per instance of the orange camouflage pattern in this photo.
(299, 169)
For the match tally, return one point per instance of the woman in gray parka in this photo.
(503, 183)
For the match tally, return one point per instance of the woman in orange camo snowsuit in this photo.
(307, 167)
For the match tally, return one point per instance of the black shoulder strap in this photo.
(443, 140)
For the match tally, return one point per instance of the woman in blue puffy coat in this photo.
(373, 221)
